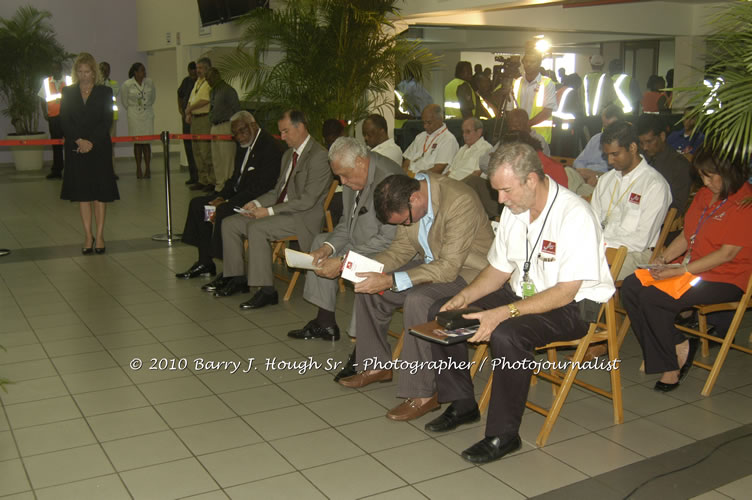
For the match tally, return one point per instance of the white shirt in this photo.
(389, 149)
(428, 150)
(570, 247)
(638, 204)
(528, 90)
(465, 162)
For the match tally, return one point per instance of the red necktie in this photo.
(282, 195)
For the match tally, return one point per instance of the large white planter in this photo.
(28, 157)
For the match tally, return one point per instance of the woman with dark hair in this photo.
(88, 178)
(716, 245)
(137, 96)
(654, 100)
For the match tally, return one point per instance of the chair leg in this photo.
(485, 398)
(703, 323)
(398, 348)
(552, 358)
(291, 286)
(480, 354)
(623, 329)
(722, 353)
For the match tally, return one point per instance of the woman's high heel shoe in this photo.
(99, 250)
(87, 251)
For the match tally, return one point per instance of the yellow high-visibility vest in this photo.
(451, 101)
(544, 127)
(621, 88)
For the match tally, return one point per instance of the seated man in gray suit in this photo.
(295, 207)
(358, 230)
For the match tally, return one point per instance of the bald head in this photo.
(432, 119)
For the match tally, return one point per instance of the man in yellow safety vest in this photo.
(536, 94)
(625, 91)
(459, 96)
(51, 93)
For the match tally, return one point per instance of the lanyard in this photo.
(528, 254)
(611, 204)
(425, 149)
(702, 220)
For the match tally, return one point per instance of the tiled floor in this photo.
(80, 422)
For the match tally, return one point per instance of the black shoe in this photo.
(349, 369)
(4, 252)
(209, 188)
(88, 251)
(198, 186)
(235, 284)
(219, 282)
(312, 330)
(664, 387)
(196, 270)
(261, 299)
(694, 343)
(491, 448)
(450, 419)
(191, 181)
(55, 175)
(100, 251)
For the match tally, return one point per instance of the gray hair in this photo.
(477, 124)
(520, 157)
(345, 149)
(243, 116)
(204, 60)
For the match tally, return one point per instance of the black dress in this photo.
(88, 176)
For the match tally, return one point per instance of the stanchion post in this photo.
(168, 237)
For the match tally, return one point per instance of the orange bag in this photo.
(675, 287)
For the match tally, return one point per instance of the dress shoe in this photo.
(87, 251)
(362, 379)
(100, 251)
(411, 409)
(450, 419)
(491, 448)
(261, 299)
(197, 187)
(235, 284)
(4, 252)
(312, 330)
(219, 282)
(198, 269)
(694, 343)
(349, 369)
(55, 175)
(664, 387)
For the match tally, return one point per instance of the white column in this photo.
(689, 61)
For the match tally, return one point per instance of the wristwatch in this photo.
(513, 311)
(394, 284)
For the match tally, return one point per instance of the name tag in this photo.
(634, 198)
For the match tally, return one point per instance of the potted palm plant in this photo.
(30, 48)
(340, 58)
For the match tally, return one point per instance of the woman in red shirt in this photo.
(653, 100)
(716, 244)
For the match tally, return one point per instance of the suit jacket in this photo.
(459, 238)
(363, 233)
(260, 173)
(308, 186)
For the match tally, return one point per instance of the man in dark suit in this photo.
(256, 169)
(294, 207)
(358, 230)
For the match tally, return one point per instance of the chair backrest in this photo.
(615, 258)
(564, 160)
(328, 201)
(668, 224)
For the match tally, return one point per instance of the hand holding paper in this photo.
(299, 259)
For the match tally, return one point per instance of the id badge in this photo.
(528, 289)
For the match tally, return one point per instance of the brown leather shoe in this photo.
(411, 409)
(362, 379)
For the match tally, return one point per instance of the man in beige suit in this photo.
(441, 222)
(295, 207)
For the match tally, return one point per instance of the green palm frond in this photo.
(340, 58)
(725, 116)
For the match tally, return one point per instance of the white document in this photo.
(299, 259)
(356, 263)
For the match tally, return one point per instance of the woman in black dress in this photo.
(86, 116)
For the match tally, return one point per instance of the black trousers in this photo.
(56, 132)
(653, 312)
(188, 145)
(205, 235)
(513, 342)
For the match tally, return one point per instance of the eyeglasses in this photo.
(409, 214)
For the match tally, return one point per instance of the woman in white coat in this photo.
(137, 96)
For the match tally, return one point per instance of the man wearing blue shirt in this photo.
(442, 239)
(686, 141)
(590, 163)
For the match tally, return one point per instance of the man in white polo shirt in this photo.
(376, 136)
(548, 250)
(631, 200)
(433, 149)
(465, 162)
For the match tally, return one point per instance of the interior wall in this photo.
(105, 28)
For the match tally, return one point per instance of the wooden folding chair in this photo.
(597, 332)
(280, 244)
(726, 342)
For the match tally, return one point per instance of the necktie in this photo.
(357, 200)
(283, 194)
